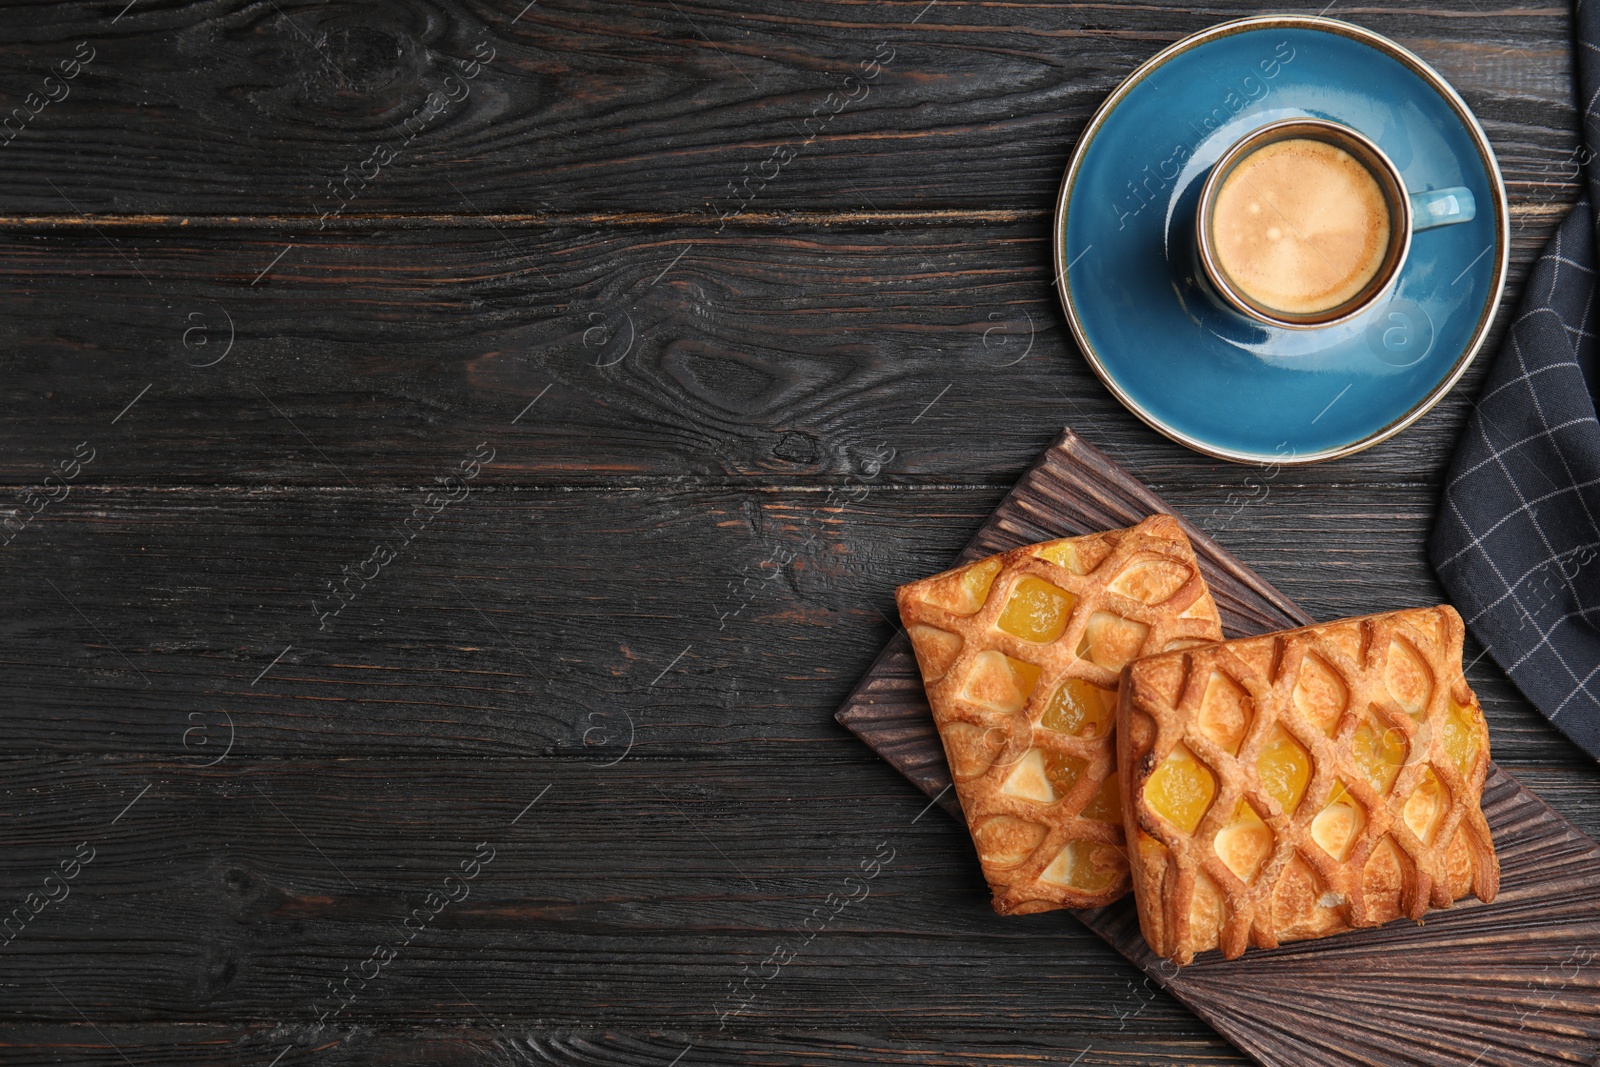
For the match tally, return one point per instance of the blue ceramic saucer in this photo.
(1234, 388)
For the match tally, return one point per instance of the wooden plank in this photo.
(1447, 991)
(624, 895)
(468, 1039)
(244, 109)
(649, 355)
(239, 892)
(695, 621)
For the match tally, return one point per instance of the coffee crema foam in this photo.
(1300, 226)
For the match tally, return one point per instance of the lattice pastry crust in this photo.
(1020, 654)
(1303, 783)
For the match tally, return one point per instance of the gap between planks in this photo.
(668, 483)
(749, 220)
(531, 220)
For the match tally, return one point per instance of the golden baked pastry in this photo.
(1020, 654)
(1303, 783)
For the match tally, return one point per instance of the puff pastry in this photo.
(1020, 654)
(1303, 783)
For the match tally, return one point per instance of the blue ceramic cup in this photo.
(1407, 213)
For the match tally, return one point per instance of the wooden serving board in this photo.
(1512, 983)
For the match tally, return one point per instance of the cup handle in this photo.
(1442, 207)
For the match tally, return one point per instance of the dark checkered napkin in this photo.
(1517, 540)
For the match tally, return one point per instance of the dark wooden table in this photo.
(493, 493)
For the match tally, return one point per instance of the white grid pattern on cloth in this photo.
(1544, 636)
(1583, 685)
(1499, 458)
(1512, 447)
(1544, 419)
(1547, 368)
(1530, 572)
(1480, 422)
(1518, 503)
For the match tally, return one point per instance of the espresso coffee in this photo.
(1300, 226)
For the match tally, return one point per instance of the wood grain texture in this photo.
(466, 1039)
(628, 896)
(551, 622)
(503, 251)
(240, 108)
(1454, 989)
(649, 355)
